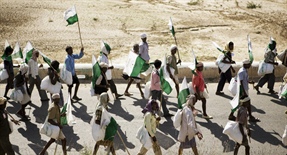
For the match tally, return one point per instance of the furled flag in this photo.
(183, 93)
(96, 72)
(218, 47)
(4, 56)
(71, 15)
(17, 53)
(235, 101)
(166, 82)
(250, 49)
(112, 126)
(171, 28)
(193, 63)
(134, 65)
(45, 58)
(105, 48)
(28, 52)
(69, 118)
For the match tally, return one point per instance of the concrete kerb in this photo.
(210, 72)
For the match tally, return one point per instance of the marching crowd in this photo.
(102, 122)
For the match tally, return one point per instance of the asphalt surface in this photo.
(265, 138)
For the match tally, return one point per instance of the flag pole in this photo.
(123, 142)
(176, 46)
(80, 33)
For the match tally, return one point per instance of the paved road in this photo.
(266, 135)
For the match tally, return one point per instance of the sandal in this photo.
(253, 119)
(127, 94)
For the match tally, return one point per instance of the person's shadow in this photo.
(72, 139)
(216, 130)
(36, 142)
(262, 136)
(121, 138)
(118, 110)
(168, 128)
(81, 112)
(16, 149)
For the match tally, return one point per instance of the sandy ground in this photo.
(121, 22)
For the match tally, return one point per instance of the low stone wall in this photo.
(210, 72)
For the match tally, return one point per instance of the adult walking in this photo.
(269, 57)
(5, 144)
(150, 123)
(172, 62)
(226, 76)
(8, 65)
(70, 66)
(105, 51)
(34, 78)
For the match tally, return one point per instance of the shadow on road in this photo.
(216, 130)
(120, 110)
(118, 144)
(81, 112)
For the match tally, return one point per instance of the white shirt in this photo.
(143, 51)
(104, 58)
(33, 68)
(243, 75)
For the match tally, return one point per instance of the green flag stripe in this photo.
(172, 31)
(137, 66)
(182, 97)
(165, 86)
(29, 56)
(72, 19)
(111, 130)
(96, 73)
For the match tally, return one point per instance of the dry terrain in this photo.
(197, 23)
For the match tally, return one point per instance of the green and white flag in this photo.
(193, 63)
(218, 47)
(71, 15)
(69, 118)
(183, 93)
(28, 52)
(166, 82)
(134, 65)
(96, 70)
(45, 58)
(111, 130)
(4, 56)
(250, 49)
(105, 48)
(235, 101)
(17, 53)
(171, 28)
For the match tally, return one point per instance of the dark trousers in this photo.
(37, 82)
(270, 78)
(157, 94)
(6, 146)
(113, 86)
(223, 78)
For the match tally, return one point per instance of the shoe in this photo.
(168, 115)
(207, 117)
(77, 98)
(219, 93)
(118, 96)
(253, 119)
(43, 100)
(257, 89)
(272, 92)
(128, 94)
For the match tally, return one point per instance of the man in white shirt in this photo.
(143, 51)
(105, 51)
(33, 74)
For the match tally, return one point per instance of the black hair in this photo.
(157, 63)
(55, 64)
(68, 48)
(8, 50)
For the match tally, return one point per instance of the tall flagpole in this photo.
(80, 32)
